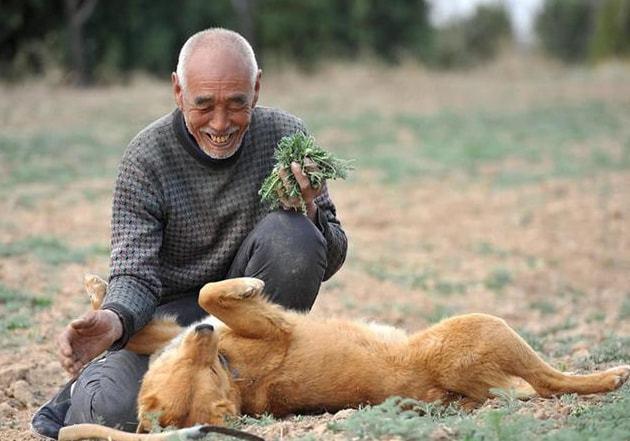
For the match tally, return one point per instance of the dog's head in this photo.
(187, 384)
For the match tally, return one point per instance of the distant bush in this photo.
(580, 30)
(29, 36)
(564, 28)
(611, 32)
(118, 37)
(473, 40)
(392, 29)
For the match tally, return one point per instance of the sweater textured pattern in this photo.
(179, 216)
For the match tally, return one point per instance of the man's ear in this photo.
(177, 91)
(256, 88)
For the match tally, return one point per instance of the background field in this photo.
(504, 190)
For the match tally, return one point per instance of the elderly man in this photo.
(186, 211)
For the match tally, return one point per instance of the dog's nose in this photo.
(204, 327)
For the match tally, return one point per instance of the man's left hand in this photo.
(308, 192)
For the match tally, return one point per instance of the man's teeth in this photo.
(219, 139)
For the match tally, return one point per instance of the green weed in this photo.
(50, 250)
(439, 312)
(498, 279)
(405, 419)
(246, 420)
(612, 349)
(55, 158)
(624, 311)
(17, 308)
(545, 307)
(606, 420)
(546, 139)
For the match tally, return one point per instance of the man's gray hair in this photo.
(217, 38)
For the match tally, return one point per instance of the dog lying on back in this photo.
(254, 357)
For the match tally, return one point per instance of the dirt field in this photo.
(503, 190)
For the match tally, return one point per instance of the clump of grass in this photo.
(318, 165)
(498, 279)
(50, 250)
(403, 418)
(17, 308)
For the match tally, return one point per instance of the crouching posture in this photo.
(253, 357)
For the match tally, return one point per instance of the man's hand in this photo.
(85, 338)
(308, 192)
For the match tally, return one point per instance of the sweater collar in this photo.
(190, 145)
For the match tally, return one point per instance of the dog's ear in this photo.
(96, 289)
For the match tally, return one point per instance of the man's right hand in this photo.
(85, 338)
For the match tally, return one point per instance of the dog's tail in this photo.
(153, 337)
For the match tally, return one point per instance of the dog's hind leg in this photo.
(516, 357)
(241, 305)
(474, 353)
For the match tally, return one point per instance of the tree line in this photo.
(104, 40)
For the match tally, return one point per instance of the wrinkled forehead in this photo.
(222, 65)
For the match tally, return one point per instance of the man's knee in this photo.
(288, 252)
(288, 236)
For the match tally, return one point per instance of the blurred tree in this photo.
(147, 34)
(78, 12)
(30, 35)
(108, 39)
(244, 10)
(473, 40)
(611, 33)
(565, 27)
(393, 29)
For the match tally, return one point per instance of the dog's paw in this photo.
(248, 287)
(228, 291)
(618, 376)
(95, 288)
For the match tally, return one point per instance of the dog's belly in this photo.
(328, 365)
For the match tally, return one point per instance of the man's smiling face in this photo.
(217, 98)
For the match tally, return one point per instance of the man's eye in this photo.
(237, 106)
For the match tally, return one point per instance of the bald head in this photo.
(217, 42)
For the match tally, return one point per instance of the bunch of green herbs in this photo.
(316, 163)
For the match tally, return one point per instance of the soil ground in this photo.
(430, 235)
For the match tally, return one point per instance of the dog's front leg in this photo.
(241, 305)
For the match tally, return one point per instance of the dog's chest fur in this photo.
(335, 362)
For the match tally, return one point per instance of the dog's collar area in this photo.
(226, 365)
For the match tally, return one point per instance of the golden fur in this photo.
(282, 362)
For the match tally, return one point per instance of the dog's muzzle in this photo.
(204, 327)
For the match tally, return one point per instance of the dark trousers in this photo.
(285, 250)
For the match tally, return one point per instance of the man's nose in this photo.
(219, 121)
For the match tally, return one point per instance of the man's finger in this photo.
(65, 350)
(300, 176)
(63, 343)
(284, 176)
(83, 322)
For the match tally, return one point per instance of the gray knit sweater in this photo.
(180, 216)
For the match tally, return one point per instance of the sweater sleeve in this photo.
(137, 223)
(336, 240)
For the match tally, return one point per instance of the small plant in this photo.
(498, 279)
(318, 165)
(403, 418)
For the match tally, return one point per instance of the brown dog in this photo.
(260, 358)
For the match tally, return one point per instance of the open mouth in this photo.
(220, 140)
